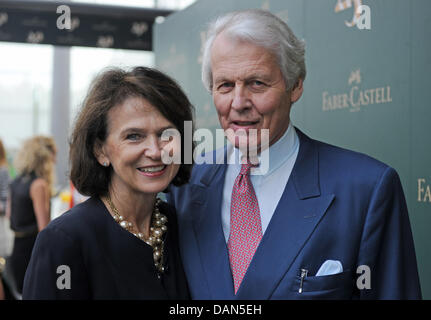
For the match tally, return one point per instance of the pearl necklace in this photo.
(157, 230)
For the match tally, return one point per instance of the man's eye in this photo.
(225, 86)
(257, 83)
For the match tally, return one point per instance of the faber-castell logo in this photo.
(361, 13)
(424, 190)
(356, 97)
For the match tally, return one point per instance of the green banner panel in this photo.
(367, 86)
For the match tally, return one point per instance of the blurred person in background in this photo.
(29, 207)
(122, 243)
(4, 179)
(4, 187)
(2, 293)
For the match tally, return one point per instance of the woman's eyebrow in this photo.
(169, 127)
(160, 130)
(132, 129)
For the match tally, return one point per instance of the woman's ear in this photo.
(99, 153)
(297, 90)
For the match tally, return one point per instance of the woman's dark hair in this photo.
(109, 89)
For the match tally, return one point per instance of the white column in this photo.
(60, 103)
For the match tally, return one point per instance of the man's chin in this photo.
(249, 143)
(245, 144)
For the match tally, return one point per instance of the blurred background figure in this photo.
(29, 207)
(2, 294)
(4, 185)
(4, 179)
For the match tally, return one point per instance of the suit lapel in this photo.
(209, 233)
(298, 212)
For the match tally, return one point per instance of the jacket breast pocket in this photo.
(334, 286)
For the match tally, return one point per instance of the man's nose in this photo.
(153, 148)
(240, 99)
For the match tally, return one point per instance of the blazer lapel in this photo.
(209, 233)
(298, 212)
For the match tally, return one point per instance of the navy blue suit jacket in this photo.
(337, 205)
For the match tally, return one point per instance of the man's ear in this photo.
(297, 90)
(99, 153)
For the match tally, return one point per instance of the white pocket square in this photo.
(330, 267)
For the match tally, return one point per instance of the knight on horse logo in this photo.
(355, 76)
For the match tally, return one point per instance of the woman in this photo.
(4, 187)
(30, 195)
(122, 242)
(4, 180)
(4, 190)
(2, 293)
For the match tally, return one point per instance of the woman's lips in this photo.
(154, 171)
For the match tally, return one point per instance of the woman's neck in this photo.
(136, 208)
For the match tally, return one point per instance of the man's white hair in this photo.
(263, 29)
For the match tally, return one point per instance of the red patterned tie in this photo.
(245, 225)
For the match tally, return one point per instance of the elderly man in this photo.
(321, 223)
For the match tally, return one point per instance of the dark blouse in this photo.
(23, 218)
(105, 261)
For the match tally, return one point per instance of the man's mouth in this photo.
(244, 124)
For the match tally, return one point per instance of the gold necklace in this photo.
(157, 230)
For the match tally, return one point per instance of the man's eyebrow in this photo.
(221, 79)
(262, 76)
(258, 75)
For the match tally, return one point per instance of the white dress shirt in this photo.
(268, 187)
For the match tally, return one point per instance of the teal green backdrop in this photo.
(366, 90)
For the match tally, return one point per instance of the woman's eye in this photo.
(133, 136)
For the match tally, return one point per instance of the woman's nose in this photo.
(153, 148)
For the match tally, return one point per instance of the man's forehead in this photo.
(242, 67)
(236, 50)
